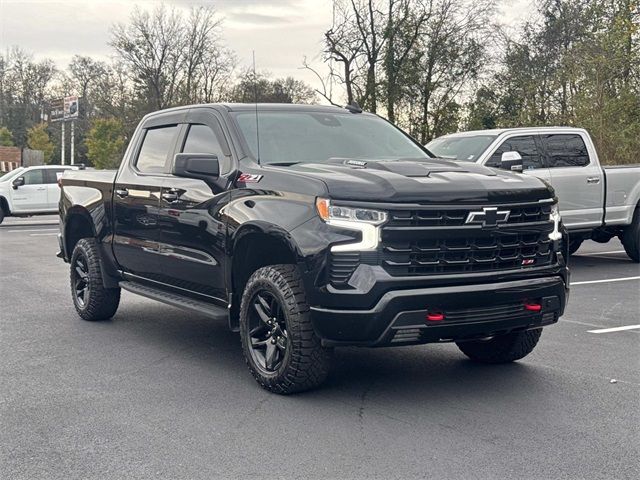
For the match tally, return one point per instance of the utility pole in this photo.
(62, 146)
(73, 139)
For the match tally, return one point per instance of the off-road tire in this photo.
(631, 237)
(574, 245)
(502, 348)
(102, 302)
(306, 362)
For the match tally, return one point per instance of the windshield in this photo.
(295, 137)
(460, 147)
(12, 174)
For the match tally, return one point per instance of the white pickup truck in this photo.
(29, 191)
(596, 202)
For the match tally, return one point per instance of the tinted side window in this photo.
(34, 177)
(525, 146)
(51, 175)
(156, 146)
(201, 139)
(565, 150)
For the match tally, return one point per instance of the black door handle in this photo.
(122, 192)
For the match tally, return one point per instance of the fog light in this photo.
(435, 317)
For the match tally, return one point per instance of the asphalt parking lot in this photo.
(157, 393)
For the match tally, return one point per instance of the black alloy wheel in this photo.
(279, 343)
(267, 331)
(80, 280)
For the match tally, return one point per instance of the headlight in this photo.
(330, 212)
(363, 220)
(555, 216)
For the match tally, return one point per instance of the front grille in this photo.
(437, 241)
(474, 252)
(452, 217)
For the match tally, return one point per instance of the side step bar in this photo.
(180, 301)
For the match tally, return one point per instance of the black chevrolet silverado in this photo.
(311, 227)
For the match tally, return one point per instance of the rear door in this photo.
(192, 227)
(136, 200)
(576, 178)
(32, 196)
(53, 190)
(528, 147)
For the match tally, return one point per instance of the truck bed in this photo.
(88, 178)
(622, 187)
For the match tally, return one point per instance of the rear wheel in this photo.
(631, 238)
(1, 213)
(501, 348)
(279, 344)
(90, 297)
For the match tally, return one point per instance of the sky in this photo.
(281, 32)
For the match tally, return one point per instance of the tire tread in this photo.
(309, 362)
(103, 302)
(503, 348)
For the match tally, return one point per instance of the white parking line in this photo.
(605, 280)
(614, 329)
(30, 223)
(42, 234)
(34, 230)
(600, 253)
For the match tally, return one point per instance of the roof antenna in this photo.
(353, 107)
(255, 95)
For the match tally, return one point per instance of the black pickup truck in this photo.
(311, 227)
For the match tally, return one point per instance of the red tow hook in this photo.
(532, 307)
(435, 317)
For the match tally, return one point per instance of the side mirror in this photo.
(203, 166)
(18, 182)
(511, 161)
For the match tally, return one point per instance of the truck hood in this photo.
(422, 181)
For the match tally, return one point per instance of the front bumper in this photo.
(469, 311)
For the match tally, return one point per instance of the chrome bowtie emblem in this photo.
(488, 217)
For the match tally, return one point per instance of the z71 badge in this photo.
(249, 178)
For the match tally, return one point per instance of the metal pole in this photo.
(73, 139)
(62, 146)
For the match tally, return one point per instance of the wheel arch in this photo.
(256, 245)
(78, 224)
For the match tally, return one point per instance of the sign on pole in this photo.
(57, 110)
(64, 109)
(70, 108)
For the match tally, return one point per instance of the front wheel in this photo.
(279, 344)
(1, 213)
(501, 348)
(90, 297)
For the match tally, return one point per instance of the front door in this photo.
(32, 196)
(528, 148)
(191, 222)
(136, 200)
(577, 180)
